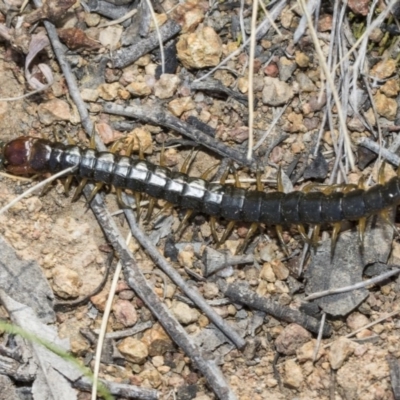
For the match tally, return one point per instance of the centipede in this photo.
(27, 155)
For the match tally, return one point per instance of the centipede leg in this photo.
(250, 233)
(92, 141)
(335, 233)
(70, 141)
(381, 173)
(188, 160)
(79, 189)
(138, 199)
(67, 184)
(259, 185)
(165, 207)
(213, 220)
(227, 232)
(385, 215)
(150, 209)
(121, 202)
(162, 155)
(207, 172)
(362, 222)
(315, 236)
(279, 232)
(96, 189)
(182, 225)
(303, 234)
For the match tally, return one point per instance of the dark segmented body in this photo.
(27, 155)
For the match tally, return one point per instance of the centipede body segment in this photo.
(27, 155)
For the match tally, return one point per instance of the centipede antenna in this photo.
(67, 184)
(213, 220)
(183, 223)
(227, 232)
(279, 232)
(381, 173)
(95, 190)
(79, 189)
(250, 233)
(335, 233)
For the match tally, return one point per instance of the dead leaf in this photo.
(76, 39)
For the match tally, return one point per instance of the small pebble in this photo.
(53, 111)
(66, 282)
(166, 86)
(293, 377)
(200, 49)
(276, 92)
(133, 350)
(339, 351)
(291, 338)
(183, 313)
(125, 313)
(385, 106)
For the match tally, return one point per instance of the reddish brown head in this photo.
(26, 155)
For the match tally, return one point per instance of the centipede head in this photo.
(25, 155)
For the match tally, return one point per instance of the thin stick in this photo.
(385, 153)
(119, 20)
(24, 96)
(349, 335)
(359, 285)
(158, 116)
(241, 19)
(250, 79)
(104, 322)
(160, 42)
(319, 338)
(331, 83)
(36, 187)
(15, 177)
(392, 314)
